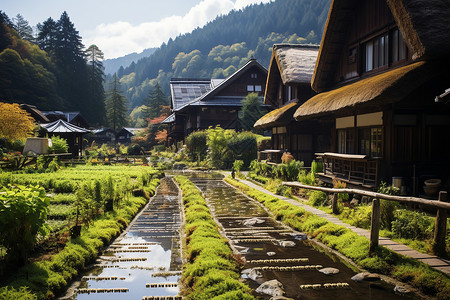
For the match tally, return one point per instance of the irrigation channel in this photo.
(274, 251)
(145, 261)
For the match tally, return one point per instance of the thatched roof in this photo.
(293, 64)
(385, 88)
(35, 113)
(278, 117)
(424, 25)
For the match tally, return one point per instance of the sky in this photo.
(120, 27)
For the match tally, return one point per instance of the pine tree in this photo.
(154, 101)
(47, 36)
(95, 72)
(23, 28)
(116, 109)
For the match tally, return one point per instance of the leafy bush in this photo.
(59, 145)
(23, 212)
(219, 154)
(237, 165)
(317, 198)
(306, 178)
(134, 149)
(244, 147)
(288, 171)
(412, 225)
(387, 208)
(196, 145)
(261, 168)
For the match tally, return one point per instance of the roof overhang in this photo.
(278, 117)
(375, 91)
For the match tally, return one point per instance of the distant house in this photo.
(288, 86)
(201, 103)
(74, 118)
(380, 67)
(125, 134)
(71, 133)
(102, 136)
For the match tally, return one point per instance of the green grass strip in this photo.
(210, 272)
(353, 246)
(47, 278)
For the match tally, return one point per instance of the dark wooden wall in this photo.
(239, 86)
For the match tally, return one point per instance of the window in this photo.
(258, 88)
(346, 141)
(376, 52)
(250, 88)
(254, 75)
(398, 46)
(370, 141)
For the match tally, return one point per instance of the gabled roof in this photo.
(424, 25)
(130, 130)
(61, 126)
(102, 130)
(293, 63)
(184, 90)
(206, 99)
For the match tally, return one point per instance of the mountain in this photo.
(222, 46)
(113, 65)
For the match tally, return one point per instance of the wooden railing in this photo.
(352, 168)
(441, 216)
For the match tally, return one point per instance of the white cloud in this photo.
(120, 38)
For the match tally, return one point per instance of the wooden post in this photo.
(334, 204)
(440, 231)
(374, 225)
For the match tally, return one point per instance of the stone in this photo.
(272, 287)
(252, 273)
(252, 221)
(329, 271)
(280, 298)
(354, 202)
(366, 200)
(287, 244)
(299, 236)
(401, 289)
(271, 253)
(366, 276)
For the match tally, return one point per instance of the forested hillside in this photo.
(225, 44)
(114, 64)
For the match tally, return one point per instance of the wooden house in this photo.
(199, 104)
(125, 134)
(101, 136)
(381, 65)
(73, 117)
(35, 113)
(288, 86)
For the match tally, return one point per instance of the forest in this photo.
(53, 70)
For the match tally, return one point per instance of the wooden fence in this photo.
(441, 216)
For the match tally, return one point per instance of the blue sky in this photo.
(119, 27)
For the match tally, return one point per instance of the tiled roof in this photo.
(60, 126)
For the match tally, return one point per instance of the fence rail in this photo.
(441, 216)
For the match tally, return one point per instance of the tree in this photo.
(23, 28)
(95, 72)
(15, 123)
(155, 100)
(47, 36)
(250, 112)
(116, 105)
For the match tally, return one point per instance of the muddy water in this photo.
(304, 258)
(146, 259)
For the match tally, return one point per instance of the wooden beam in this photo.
(334, 204)
(440, 232)
(432, 203)
(374, 225)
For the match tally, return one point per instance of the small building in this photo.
(125, 134)
(199, 104)
(71, 133)
(288, 86)
(35, 113)
(381, 65)
(102, 136)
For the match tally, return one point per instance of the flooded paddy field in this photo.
(273, 251)
(145, 261)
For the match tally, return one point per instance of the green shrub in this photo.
(289, 171)
(412, 225)
(59, 145)
(237, 165)
(306, 178)
(317, 198)
(23, 212)
(196, 145)
(244, 147)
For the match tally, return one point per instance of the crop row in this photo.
(353, 246)
(210, 270)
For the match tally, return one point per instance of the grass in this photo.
(49, 275)
(353, 246)
(211, 272)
